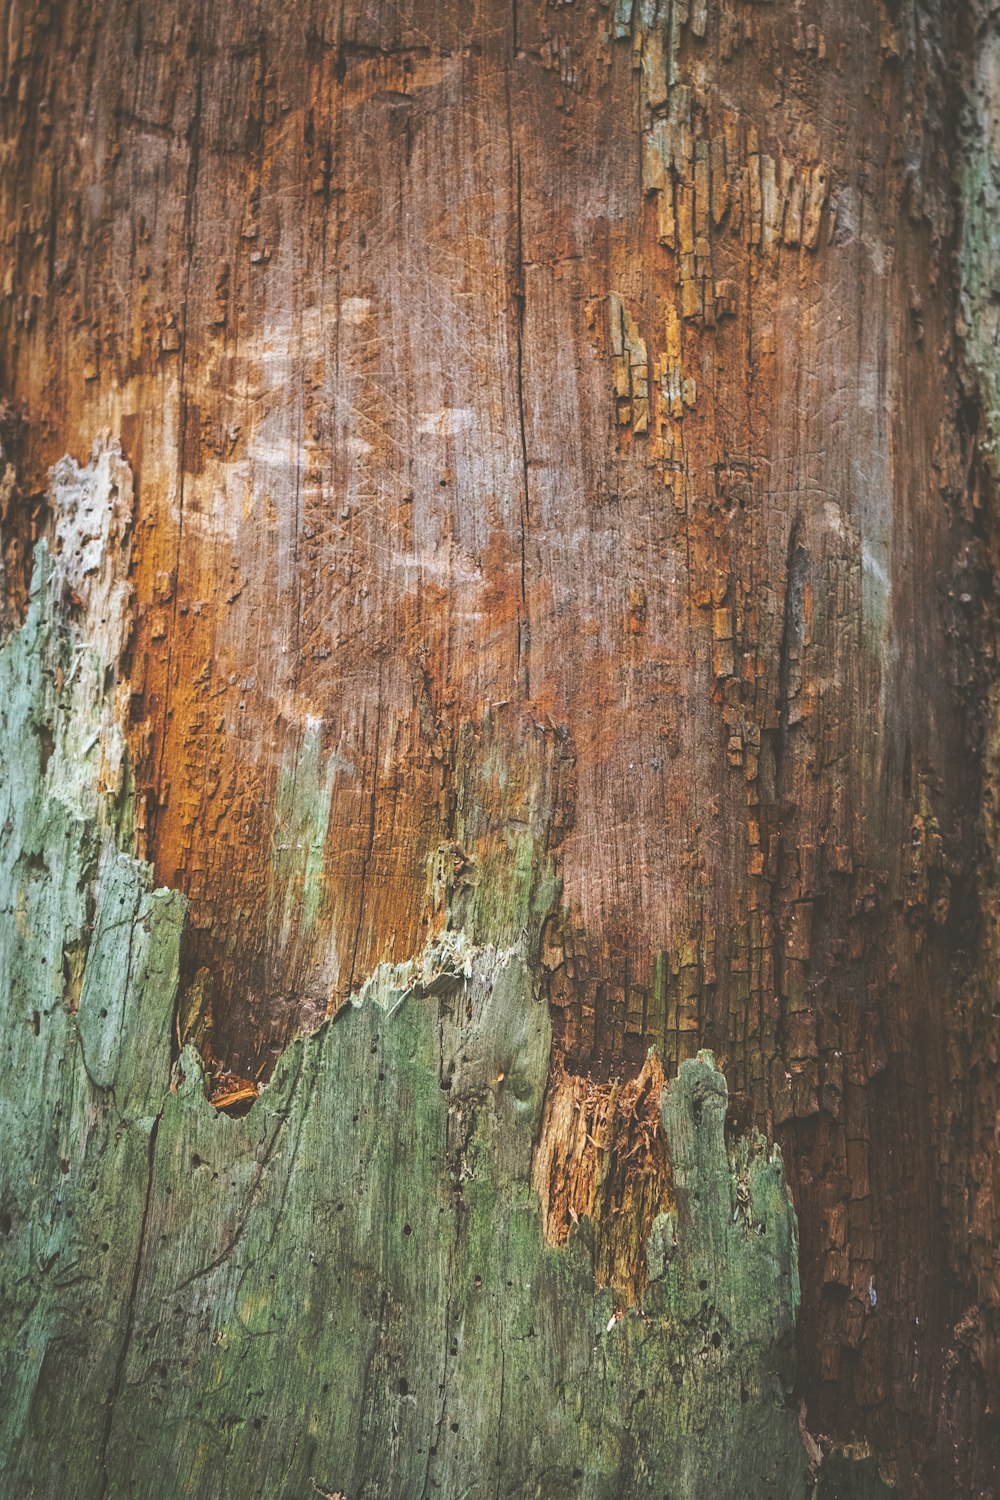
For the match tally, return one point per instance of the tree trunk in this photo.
(498, 748)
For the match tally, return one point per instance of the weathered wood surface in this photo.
(562, 439)
(346, 1290)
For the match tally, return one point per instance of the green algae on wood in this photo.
(346, 1291)
(979, 247)
(350, 1284)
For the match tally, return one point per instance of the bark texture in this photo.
(535, 606)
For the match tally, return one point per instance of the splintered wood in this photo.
(602, 1156)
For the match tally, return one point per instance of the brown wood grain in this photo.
(463, 442)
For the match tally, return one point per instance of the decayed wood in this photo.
(602, 1157)
(348, 1289)
(562, 439)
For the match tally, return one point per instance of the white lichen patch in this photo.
(451, 956)
(92, 506)
(93, 511)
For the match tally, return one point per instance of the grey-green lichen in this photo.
(302, 818)
(979, 251)
(346, 1291)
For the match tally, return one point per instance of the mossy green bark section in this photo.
(346, 1291)
(979, 250)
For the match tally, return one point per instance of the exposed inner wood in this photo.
(602, 1156)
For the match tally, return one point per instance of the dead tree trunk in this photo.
(518, 620)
